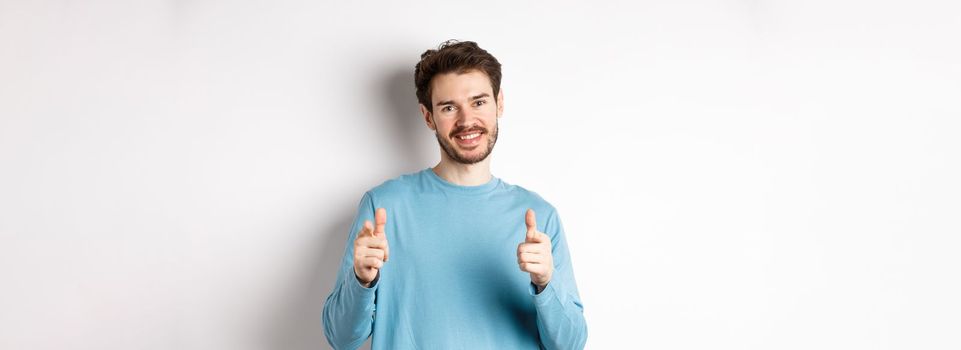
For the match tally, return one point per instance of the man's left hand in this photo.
(534, 255)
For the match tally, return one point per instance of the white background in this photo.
(731, 174)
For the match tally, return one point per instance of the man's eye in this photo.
(480, 102)
(448, 108)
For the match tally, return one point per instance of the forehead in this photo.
(459, 86)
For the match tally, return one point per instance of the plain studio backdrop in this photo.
(731, 174)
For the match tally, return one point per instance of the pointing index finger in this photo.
(368, 229)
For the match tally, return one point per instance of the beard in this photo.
(454, 155)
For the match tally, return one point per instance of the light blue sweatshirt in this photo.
(452, 280)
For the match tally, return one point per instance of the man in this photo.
(452, 257)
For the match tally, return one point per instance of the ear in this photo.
(500, 103)
(430, 122)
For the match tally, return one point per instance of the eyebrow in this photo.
(472, 98)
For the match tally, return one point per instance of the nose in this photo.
(465, 116)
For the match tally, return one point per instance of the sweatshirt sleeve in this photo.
(560, 314)
(349, 309)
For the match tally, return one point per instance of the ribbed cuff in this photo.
(547, 302)
(357, 286)
(545, 294)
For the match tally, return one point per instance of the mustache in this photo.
(465, 129)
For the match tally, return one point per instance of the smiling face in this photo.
(464, 115)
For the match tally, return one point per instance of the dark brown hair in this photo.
(457, 57)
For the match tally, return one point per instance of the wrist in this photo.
(369, 284)
(538, 288)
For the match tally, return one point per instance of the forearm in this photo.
(349, 312)
(560, 319)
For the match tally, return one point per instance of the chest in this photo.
(450, 237)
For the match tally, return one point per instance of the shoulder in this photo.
(547, 216)
(533, 200)
(396, 187)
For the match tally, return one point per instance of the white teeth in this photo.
(468, 137)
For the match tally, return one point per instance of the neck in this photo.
(463, 174)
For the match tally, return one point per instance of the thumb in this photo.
(380, 219)
(531, 225)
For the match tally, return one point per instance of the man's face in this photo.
(464, 115)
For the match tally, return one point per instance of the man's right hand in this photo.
(370, 248)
